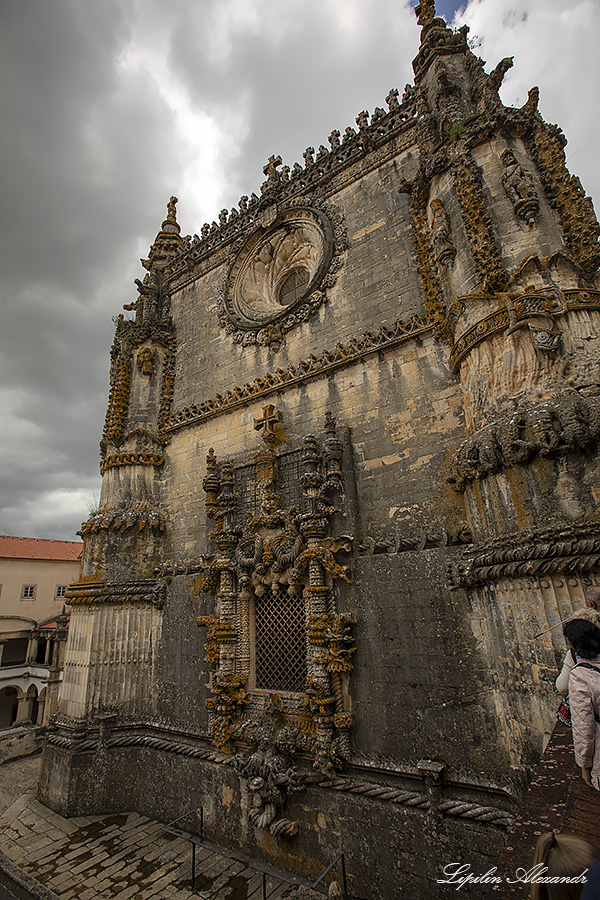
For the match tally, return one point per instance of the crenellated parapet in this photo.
(285, 186)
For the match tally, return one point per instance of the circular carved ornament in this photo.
(279, 275)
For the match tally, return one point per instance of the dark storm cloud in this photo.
(79, 146)
(298, 75)
(109, 107)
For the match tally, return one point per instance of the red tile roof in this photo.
(34, 548)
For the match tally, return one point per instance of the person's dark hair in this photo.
(584, 636)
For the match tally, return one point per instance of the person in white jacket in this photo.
(584, 697)
(591, 612)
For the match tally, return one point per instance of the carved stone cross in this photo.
(270, 170)
(268, 420)
(425, 12)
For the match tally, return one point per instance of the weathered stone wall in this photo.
(410, 839)
(376, 285)
(18, 742)
(435, 393)
(400, 446)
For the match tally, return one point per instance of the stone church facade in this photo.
(350, 474)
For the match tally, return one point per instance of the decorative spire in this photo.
(167, 242)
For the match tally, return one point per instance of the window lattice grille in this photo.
(246, 493)
(280, 642)
(293, 287)
(288, 486)
(289, 470)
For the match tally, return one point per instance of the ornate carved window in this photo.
(280, 653)
(293, 287)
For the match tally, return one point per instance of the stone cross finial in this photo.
(270, 170)
(267, 422)
(425, 12)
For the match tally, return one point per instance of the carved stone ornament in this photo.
(564, 423)
(144, 360)
(518, 185)
(279, 651)
(572, 550)
(278, 275)
(441, 232)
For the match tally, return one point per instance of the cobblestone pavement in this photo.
(16, 777)
(119, 856)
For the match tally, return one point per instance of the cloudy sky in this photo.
(107, 107)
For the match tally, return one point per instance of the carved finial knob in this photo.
(308, 155)
(362, 119)
(392, 99)
(171, 212)
(425, 12)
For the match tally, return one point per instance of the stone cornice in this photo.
(533, 303)
(306, 370)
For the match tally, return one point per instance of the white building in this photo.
(34, 575)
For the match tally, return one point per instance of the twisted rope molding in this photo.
(147, 591)
(479, 813)
(575, 554)
(378, 791)
(142, 740)
(413, 799)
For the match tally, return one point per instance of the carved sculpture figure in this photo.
(144, 360)
(441, 231)
(519, 187)
(270, 775)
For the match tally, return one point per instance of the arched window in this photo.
(9, 705)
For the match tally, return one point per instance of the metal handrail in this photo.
(329, 868)
(199, 842)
